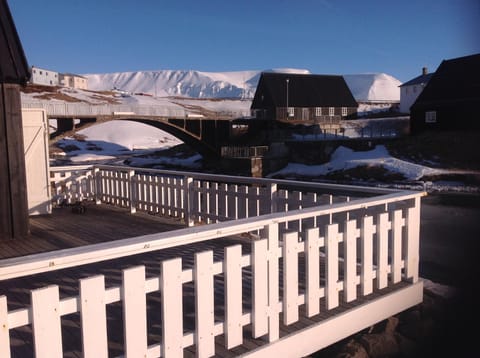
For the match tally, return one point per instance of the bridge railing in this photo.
(350, 251)
(69, 109)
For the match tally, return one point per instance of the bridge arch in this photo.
(204, 135)
(197, 141)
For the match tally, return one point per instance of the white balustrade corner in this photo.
(349, 247)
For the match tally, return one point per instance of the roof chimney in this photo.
(424, 71)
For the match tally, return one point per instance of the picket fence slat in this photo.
(204, 304)
(397, 225)
(382, 250)
(172, 308)
(233, 296)
(350, 260)
(312, 272)
(331, 247)
(47, 330)
(366, 235)
(290, 278)
(260, 286)
(93, 316)
(135, 311)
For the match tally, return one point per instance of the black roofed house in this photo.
(14, 72)
(451, 99)
(303, 98)
(410, 90)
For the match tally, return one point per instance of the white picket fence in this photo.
(349, 249)
(193, 197)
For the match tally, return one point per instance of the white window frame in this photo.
(344, 111)
(431, 117)
(331, 111)
(318, 111)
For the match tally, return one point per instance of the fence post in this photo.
(5, 331)
(272, 232)
(413, 241)
(132, 191)
(273, 198)
(97, 186)
(188, 201)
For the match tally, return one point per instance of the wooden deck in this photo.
(100, 223)
(66, 229)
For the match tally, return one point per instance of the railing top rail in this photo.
(332, 188)
(60, 259)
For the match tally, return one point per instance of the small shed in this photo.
(303, 97)
(451, 99)
(14, 72)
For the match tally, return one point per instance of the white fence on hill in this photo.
(348, 246)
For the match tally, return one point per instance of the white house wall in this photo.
(42, 76)
(408, 95)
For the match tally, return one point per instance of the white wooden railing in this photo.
(350, 250)
(193, 197)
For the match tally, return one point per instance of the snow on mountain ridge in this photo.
(234, 84)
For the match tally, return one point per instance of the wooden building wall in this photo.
(13, 192)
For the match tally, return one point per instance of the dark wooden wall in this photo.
(14, 222)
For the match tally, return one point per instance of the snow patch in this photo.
(345, 158)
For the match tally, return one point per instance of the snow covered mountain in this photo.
(237, 84)
(373, 87)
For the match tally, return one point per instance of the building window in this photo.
(431, 117)
(331, 111)
(344, 111)
(291, 111)
(318, 111)
(414, 89)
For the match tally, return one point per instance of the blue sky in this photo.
(323, 36)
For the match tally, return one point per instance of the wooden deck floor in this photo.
(64, 229)
(100, 223)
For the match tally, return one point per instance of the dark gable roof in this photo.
(304, 90)
(455, 81)
(418, 80)
(13, 64)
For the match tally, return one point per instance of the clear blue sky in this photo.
(323, 36)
